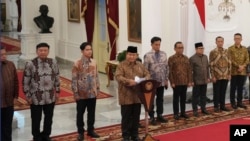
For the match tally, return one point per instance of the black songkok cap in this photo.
(132, 49)
(198, 45)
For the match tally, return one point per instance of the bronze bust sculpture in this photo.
(44, 22)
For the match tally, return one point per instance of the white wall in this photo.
(159, 18)
(71, 35)
(216, 26)
(122, 42)
(156, 21)
(170, 25)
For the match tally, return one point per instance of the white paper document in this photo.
(138, 79)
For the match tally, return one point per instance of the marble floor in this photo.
(107, 110)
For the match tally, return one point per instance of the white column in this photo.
(29, 42)
(49, 39)
(27, 16)
(184, 26)
(28, 46)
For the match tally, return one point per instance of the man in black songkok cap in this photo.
(128, 98)
(132, 49)
(200, 70)
(197, 45)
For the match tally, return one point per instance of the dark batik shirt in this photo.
(41, 81)
(179, 70)
(9, 84)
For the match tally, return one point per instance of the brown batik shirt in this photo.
(179, 70)
(220, 64)
(85, 81)
(9, 84)
(124, 72)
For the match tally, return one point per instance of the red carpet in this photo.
(211, 132)
(13, 46)
(66, 95)
(213, 124)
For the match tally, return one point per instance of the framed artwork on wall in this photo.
(134, 20)
(73, 10)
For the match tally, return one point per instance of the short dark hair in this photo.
(238, 34)
(84, 44)
(154, 39)
(218, 38)
(178, 42)
(42, 45)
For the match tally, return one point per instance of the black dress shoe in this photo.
(161, 119)
(242, 106)
(176, 117)
(234, 106)
(184, 115)
(37, 139)
(46, 138)
(196, 114)
(224, 109)
(125, 139)
(93, 134)
(80, 137)
(153, 121)
(135, 138)
(205, 112)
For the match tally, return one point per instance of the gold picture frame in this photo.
(134, 20)
(73, 10)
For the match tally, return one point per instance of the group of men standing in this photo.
(221, 66)
(41, 85)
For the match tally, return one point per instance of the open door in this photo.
(101, 38)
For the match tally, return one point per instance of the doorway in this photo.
(101, 39)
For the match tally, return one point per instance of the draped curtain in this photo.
(113, 25)
(19, 24)
(113, 28)
(88, 13)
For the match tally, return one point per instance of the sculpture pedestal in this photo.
(14, 58)
(29, 42)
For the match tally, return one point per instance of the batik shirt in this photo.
(179, 70)
(220, 64)
(9, 83)
(157, 65)
(239, 56)
(41, 81)
(126, 71)
(85, 81)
